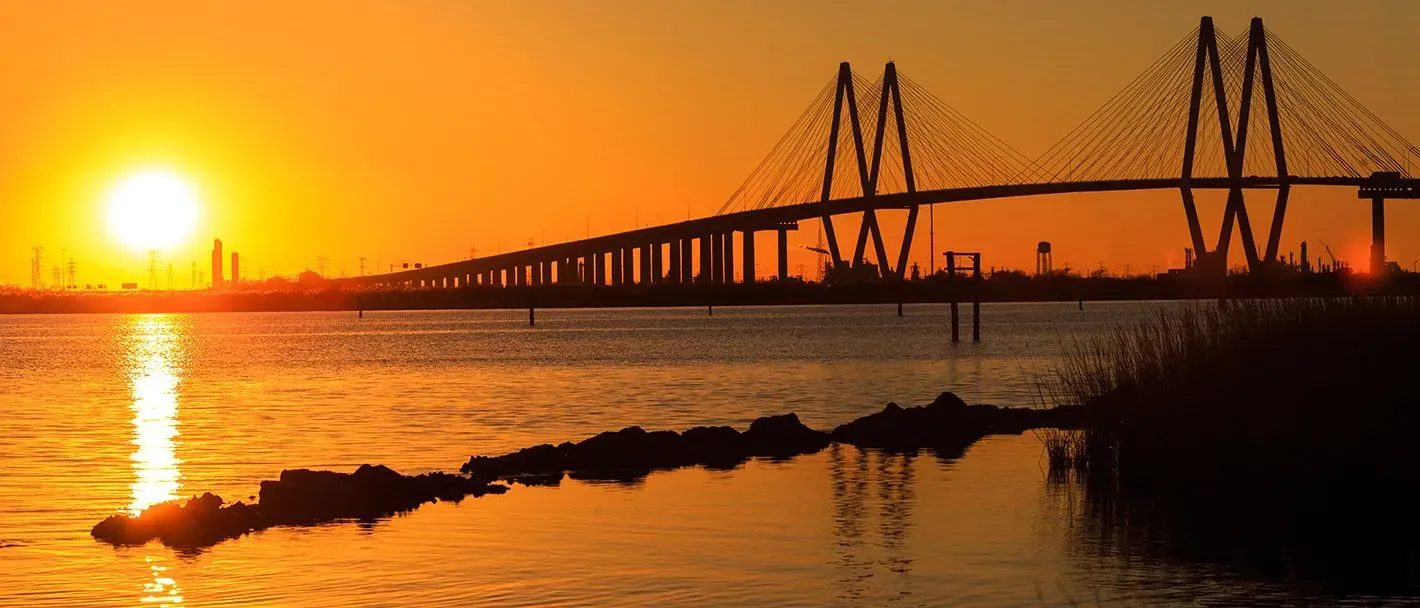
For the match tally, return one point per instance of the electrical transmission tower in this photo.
(320, 264)
(71, 269)
(37, 268)
(152, 269)
(362, 266)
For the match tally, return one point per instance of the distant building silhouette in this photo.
(309, 278)
(216, 263)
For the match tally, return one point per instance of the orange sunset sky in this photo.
(416, 130)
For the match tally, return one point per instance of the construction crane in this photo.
(1329, 254)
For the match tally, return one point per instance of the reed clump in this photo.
(1279, 433)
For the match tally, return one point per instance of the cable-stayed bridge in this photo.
(1247, 114)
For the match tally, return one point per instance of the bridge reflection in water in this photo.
(859, 477)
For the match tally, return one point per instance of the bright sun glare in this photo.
(152, 210)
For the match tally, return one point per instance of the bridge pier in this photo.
(749, 257)
(599, 269)
(628, 266)
(717, 258)
(616, 277)
(687, 272)
(729, 248)
(707, 256)
(673, 265)
(1378, 236)
(783, 254)
(643, 265)
(657, 271)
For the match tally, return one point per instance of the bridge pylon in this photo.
(1234, 148)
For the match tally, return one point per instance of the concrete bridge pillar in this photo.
(783, 254)
(707, 256)
(599, 269)
(729, 249)
(717, 258)
(616, 276)
(643, 264)
(658, 271)
(749, 257)
(673, 265)
(628, 265)
(687, 269)
(1377, 236)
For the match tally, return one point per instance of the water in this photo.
(101, 414)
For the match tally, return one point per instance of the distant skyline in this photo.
(415, 131)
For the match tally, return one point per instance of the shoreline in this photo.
(666, 295)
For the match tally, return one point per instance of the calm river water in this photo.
(105, 413)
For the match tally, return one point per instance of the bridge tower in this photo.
(1207, 59)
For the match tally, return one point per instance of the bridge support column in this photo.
(673, 265)
(729, 249)
(644, 264)
(717, 258)
(783, 254)
(749, 257)
(628, 265)
(707, 257)
(1377, 236)
(599, 269)
(616, 277)
(687, 268)
(657, 270)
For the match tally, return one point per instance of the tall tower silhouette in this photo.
(216, 263)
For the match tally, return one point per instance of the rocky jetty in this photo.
(303, 497)
(632, 453)
(298, 497)
(947, 424)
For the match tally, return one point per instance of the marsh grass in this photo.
(1276, 433)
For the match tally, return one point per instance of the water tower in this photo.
(1042, 258)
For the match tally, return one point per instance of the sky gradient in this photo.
(415, 131)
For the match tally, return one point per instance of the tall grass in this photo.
(1283, 428)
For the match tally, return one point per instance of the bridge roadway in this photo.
(612, 259)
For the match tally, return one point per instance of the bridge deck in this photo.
(772, 218)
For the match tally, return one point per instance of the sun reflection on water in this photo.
(154, 357)
(153, 354)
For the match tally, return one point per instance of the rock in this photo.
(949, 399)
(783, 436)
(297, 497)
(947, 424)
(717, 447)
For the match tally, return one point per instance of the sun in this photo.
(152, 210)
